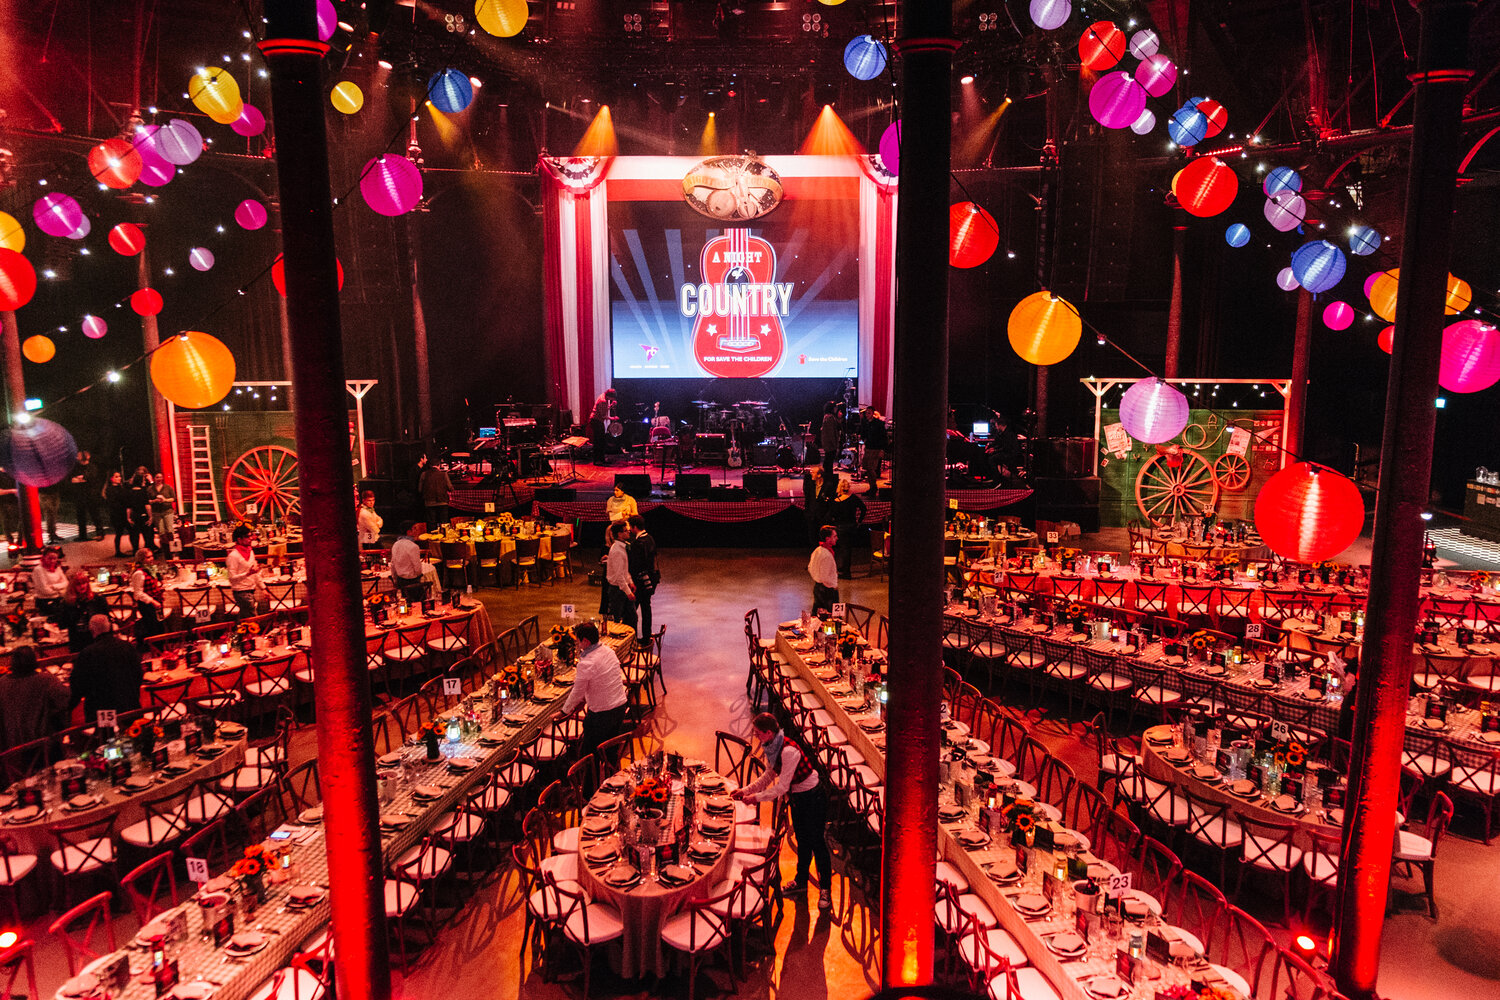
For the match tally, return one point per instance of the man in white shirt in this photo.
(406, 563)
(598, 685)
(244, 572)
(617, 575)
(368, 522)
(824, 570)
(789, 773)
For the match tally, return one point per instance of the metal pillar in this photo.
(345, 743)
(909, 841)
(161, 420)
(1405, 480)
(1296, 400)
(1172, 361)
(28, 500)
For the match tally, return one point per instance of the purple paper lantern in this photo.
(178, 142)
(1157, 74)
(250, 214)
(40, 453)
(328, 20)
(1285, 210)
(1286, 280)
(1153, 411)
(94, 327)
(1471, 357)
(84, 225)
(1338, 315)
(1049, 15)
(1117, 100)
(57, 214)
(1145, 123)
(391, 184)
(1144, 44)
(202, 258)
(890, 148)
(250, 122)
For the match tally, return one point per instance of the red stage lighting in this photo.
(8, 938)
(1305, 947)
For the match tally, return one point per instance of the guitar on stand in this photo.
(736, 458)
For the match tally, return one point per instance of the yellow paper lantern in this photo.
(38, 350)
(1044, 329)
(347, 97)
(1385, 286)
(215, 93)
(501, 18)
(193, 370)
(12, 235)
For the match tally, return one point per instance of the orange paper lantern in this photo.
(217, 94)
(38, 350)
(193, 370)
(1044, 329)
(1307, 513)
(1386, 286)
(115, 163)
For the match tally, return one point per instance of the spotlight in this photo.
(1427, 515)
(1101, 340)
(112, 376)
(1304, 947)
(966, 79)
(8, 938)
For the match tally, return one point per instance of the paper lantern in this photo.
(1101, 46)
(1471, 357)
(1116, 101)
(1237, 235)
(94, 327)
(501, 18)
(328, 20)
(890, 147)
(830, 3)
(115, 163)
(1363, 241)
(1381, 288)
(347, 97)
(1145, 123)
(1206, 186)
(202, 258)
(1049, 15)
(214, 91)
(250, 122)
(1459, 296)
(250, 214)
(146, 302)
(1157, 74)
(450, 91)
(84, 225)
(155, 171)
(1144, 44)
(1308, 513)
(1044, 329)
(1386, 339)
(38, 349)
(864, 57)
(972, 235)
(1338, 315)
(1286, 280)
(1318, 265)
(127, 240)
(1216, 116)
(1285, 210)
(1281, 179)
(39, 454)
(17, 280)
(12, 233)
(1153, 411)
(177, 142)
(1187, 126)
(57, 214)
(391, 184)
(193, 370)
(278, 273)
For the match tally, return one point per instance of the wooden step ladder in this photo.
(204, 494)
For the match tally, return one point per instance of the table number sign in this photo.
(1052, 538)
(197, 870)
(1271, 671)
(1120, 883)
(1317, 683)
(568, 612)
(489, 507)
(105, 718)
(953, 504)
(1280, 731)
(1291, 784)
(840, 610)
(1334, 796)
(1253, 630)
(192, 740)
(453, 687)
(1044, 840)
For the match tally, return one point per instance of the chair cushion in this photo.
(448, 643)
(1105, 680)
(517, 775)
(153, 830)
(1426, 764)
(247, 779)
(1219, 832)
(1320, 867)
(800, 686)
(1471, 779)
(1067, 671)
(748, 904)
(987, 650)
(544, 904)
(1280, 857)
(1026, 660)
(566, 841)
(21, 865)
(968, 905)
(419, 864)
(1000, 941)
(463, 828)
(399, 897)
(1030, 985)
(88, 856)
(304, 675)
(1413, 847)
(548, 748)
(263, 756)
(750, 839)
(494, 799)
(269, 688)
(1155, 695)
(604, 924)
(291, 984)
(950, 875)
(206, 807)
(1170, 809)
(694, 930)
(562, 867)
(404, 654)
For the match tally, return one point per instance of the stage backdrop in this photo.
(628, 263)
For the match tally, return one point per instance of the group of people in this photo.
(106, 675)
(142, 508)
(864, 429)
(631, 575)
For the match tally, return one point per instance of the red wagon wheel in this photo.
(1165, 491)
(262, 485)
(1232, 472)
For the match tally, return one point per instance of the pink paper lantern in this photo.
(328, 20)
(1153, 411)
(250, 122)
(1307, 513)
(1338, 315)
(178, 142)
(391, 184)
(201, 258)
(1157, 74)
(1286, 280)
(155, 171)
(94, 327)
(1471, 357)
(57, 214)
(1117, 100)
(84, 225)
(1285, 210)
(250, 214)
(1145, 123)
(890, 147)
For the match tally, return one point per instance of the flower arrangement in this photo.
(509, 677)
(1289, 755)
(244, 634)
(848, 646)
(1075, 613)
(16, 622)
(564, 644)
(959, 518)
(651, 795)
(1216, 993)
(1479, 579)
(1200, 642)
(378, 600)
(258, 860)
(435, 727)
(146, 732)
(1230, 559)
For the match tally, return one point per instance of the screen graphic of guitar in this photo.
(739, 307)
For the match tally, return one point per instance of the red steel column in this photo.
(161, 422)
(1405, 479)
(909, 840)
(1171, 362)
(346, 751)
(28, 500)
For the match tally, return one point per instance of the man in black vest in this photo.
(789, 773)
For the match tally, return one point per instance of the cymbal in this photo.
(700, 403)
(751, 402)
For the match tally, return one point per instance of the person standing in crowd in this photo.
(86, 482)
(107, 674)
(617, 574)
(643, 572)
(117, 498)
(406, 563)
(49, 583)
(10, 507)
(876, 441)
(149, 594)
(33, 703)
(846, 513)
(434, 485)
(824, 570)
(139, 499)
(244, 572)
(828, 438)
(599, 424)
(788, 773)
(599, 686)
(79, 605)
(51, 501)
(368, 522)
(163, 499)
(620, 506)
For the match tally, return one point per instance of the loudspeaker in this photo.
(693, 485)
(637, 484)
(761, 485)
(555, 493)
(1064, 456)
(727, 494)
(712, 445)
(763, 454)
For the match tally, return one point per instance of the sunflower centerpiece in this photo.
(650, 799)
(564, 646)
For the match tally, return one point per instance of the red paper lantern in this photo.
(1387, 338)
(278, 274)
(127, 239)
(1308, 512)
(1216, 114)
(146, 302)
(115, 163)
(1206, 187)
(17, 280)
(972, 235)
(1101, 46)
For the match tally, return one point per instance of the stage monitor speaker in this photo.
(728, 494)
(712, 446)
(763, 454)
(693, 485)
(1064, 457)
(637, 484)
(760, 485)
(555, 493)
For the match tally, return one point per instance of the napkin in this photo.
(599, 854)
(391, 759)
(393, 821)
(621, 875)
(598, 825)
(426, 792)
(1434, 723)
(1285, 803)
(247, 941)
(678, 874)
(1031, 903)
(973, 838)
(1243, 787)
(1105, 988)
(1205, 772)
(195, 989)
(82, 802)
(25, 814)
(1176, 755)
(1066, 943)
(84, 984)
(1490, 737)
(304, 895)
(950, 814)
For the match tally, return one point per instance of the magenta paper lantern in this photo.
(1153, 411)
(156, 172)
(57, 214)
(94, 327)
(202, 258)
(1157, 74)
(1049, 15)
(1308, 513)
(328, 20)
(250, 214)
(39, 453)
(1471, 357)
(178, 142)
(1285, 210)
(250, 122)
(391, 184)
(890, 148)
(1338, 315)
(1117, 100)
(1286, 280)
(1145, 123)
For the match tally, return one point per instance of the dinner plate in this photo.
(1177, 756)
(25, 814)
(715, 827)
(392, 821)
(871, 725)
(1066, 945)
(1490, 737)
(973, 839)
(305, 895)
(247, 942)
(1286, 804)
(677, 875)
(1007, 875)
(1106, 988)
(462, 765)
(426, 792)
(139, 782)
(621, 876)
(1205, 772)
(7, 801)
(601, 854)
(196, 989)
(951, 814)
(1031, 903)
(311, 815)
(1263, 683)
(1244, 787)
(598, 826)
(85, 984)
(1434, 724)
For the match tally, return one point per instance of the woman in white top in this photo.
(49, 582)
(368, 522)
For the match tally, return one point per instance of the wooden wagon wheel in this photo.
(264, 479)
(1232, 472)
(1165, 493)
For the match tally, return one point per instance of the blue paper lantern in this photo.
(1363, 241)
(864, 57)
(1237, 235)
(450, 91)
(40, 453)
(1282, 179)
(1188, 126)
(1318, 265)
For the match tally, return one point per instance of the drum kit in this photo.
(748, 420)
